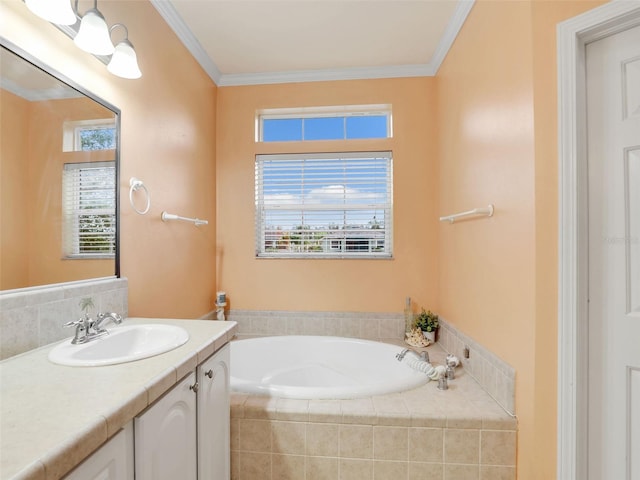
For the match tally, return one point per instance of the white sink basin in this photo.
(123, 344)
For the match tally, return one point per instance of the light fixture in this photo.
(54, 11)
(124, 62)
(93, 36)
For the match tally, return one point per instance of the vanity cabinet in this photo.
(112, 461)
(165, 435)
(149, 435)
(185, 434)
(213, 417)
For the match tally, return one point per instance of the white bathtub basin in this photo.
(319, 367)
(122, 344)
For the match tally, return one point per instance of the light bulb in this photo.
(93, 36)
(54, 11)
(124, 62)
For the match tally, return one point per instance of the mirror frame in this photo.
(117, 112)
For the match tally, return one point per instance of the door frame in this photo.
(573, 35)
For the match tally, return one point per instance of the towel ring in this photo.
(136, 185)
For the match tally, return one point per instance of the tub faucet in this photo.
(424, 355)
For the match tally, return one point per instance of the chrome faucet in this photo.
(88, 329)
(424, 355)
(105, 317)
(82, 325)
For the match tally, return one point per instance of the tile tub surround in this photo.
(33, 317)
(493, 374)
(424, 433)
(52, 416)
(369, 326)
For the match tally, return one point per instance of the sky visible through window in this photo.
(324, 128)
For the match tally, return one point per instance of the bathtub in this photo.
(319, 367)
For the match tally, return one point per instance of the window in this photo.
(95, 138)
(324, 123)
(89, 210)
(336, 205)
(83, 135)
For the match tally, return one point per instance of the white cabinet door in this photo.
(165, 436)
(112, 461)
(213, 417)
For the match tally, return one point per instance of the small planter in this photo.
(431, 336)
(427, 321)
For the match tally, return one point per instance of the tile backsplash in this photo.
(493, 374)
(33, 317)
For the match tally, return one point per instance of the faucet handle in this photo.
(76, 323)
(82, 326)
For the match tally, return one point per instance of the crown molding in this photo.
(352, 73)
(450, 33)
(177, 24)
(166, 9)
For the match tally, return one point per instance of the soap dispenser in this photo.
(408, 318)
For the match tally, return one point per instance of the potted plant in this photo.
(427, 321)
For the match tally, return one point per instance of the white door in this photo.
(613, 118)
(165, 436)
(213, 417)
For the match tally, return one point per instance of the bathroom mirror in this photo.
(59, 159)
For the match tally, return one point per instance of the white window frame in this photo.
(73, 206)
(306, 207)
(323, 112)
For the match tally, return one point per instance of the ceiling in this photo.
(28, 81)
(243, 42)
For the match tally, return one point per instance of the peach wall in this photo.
(168, 141)
(487, 156)
(14, 122)
(497, 100)
(324, 284)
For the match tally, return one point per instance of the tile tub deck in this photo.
(424, 433)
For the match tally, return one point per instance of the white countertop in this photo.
(54, 416)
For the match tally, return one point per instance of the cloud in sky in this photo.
(326, 195)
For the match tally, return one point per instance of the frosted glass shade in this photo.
(93, 36)
(54, 11)
(124, 62)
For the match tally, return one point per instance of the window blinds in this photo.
(324, 205)
(89, 209)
